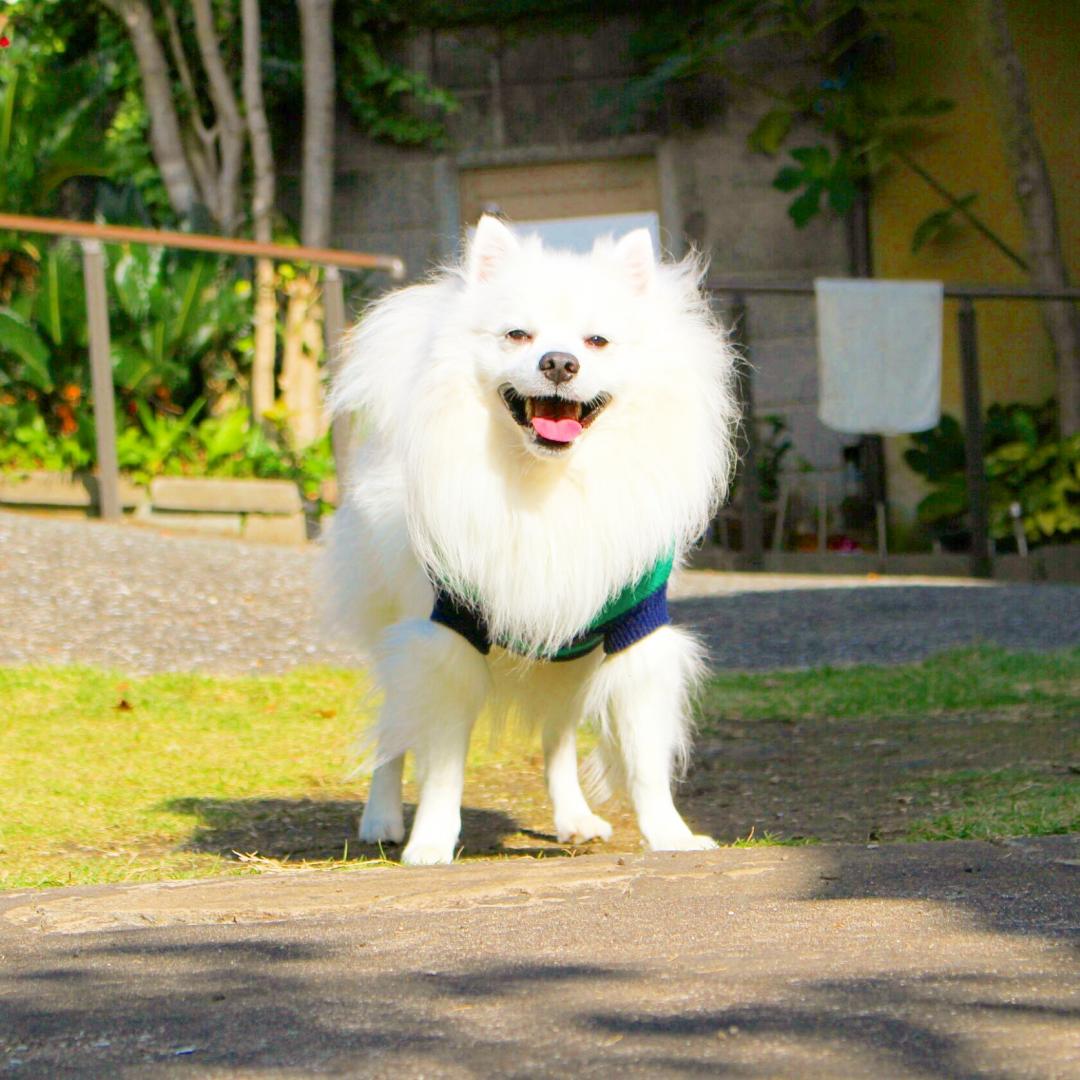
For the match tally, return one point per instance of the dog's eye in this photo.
(596, 341)
(519, 336)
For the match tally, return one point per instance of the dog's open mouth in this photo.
(555, 422)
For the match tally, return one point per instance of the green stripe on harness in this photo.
(618, 605)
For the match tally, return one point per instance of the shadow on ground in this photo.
(852, 963)
(312, 830)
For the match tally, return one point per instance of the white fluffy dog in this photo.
(550, 432)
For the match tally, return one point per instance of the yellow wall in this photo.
(1015, 357)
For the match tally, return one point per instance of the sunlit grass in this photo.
(1002, 802)
(961, 680)
(109, 778)
(94, 766)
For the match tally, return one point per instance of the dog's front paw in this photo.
(376, 828)
(427, 853)
(578, 830)
(682, 841)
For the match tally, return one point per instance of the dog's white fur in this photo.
(449, 486)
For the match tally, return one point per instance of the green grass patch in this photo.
(104, 777)
(770, 839)
(961, 680)
(990, 804)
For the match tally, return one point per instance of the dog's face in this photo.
(559, 337)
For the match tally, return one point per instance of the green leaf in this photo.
(807, 204)
(930, 227)
(130, 365)
(7, 114)
(771, 130)
(224, 436)
(137, 271)
(788, 178)
(52, 311)
(842, 194)
(923, 105)
(18, 337)
(1012, 452)
(188, 289)
(816, 160)
(935, 226)
(949, 502)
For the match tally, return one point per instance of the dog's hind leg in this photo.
(647, 688)
(574, 821)
(382, 819)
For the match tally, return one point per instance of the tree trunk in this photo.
(1036, 197)
(232, 129)
(166, 141)
(303, 337)
(301, 384)
(317, 183)
(262, 207)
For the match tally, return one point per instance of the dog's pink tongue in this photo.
(556, 430)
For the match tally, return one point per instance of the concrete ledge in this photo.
(1055, 562)
(275, 528)
(62, 489)
(203, 494)
(177, 521)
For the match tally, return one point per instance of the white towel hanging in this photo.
(879, 354)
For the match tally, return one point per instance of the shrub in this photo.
(153, 444)
(1026, 465)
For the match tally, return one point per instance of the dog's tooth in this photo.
(579, 408)
(528, 408)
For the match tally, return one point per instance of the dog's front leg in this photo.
(435, 684)
(648, 687)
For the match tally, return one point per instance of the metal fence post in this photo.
(978, 501)
(97, 314)
(750, 482)
(334, 328)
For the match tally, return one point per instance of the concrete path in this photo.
(947, 960)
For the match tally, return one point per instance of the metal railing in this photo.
(735, 291)
(92, 237)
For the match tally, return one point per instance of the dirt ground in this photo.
(829, 780)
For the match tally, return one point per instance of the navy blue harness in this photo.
(635, 613)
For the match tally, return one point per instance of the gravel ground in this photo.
(133, 599)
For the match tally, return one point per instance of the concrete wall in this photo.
(554, 98)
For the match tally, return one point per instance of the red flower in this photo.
(68, 424)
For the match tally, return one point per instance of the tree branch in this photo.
(166, 141)
(231, 138)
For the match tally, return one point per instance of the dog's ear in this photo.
(635, 252)
(491, 243)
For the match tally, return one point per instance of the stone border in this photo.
(264, 511)
(1053, 562)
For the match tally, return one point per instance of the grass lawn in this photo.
(113, 778)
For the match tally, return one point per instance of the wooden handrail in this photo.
(128, 234)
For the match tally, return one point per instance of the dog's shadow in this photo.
(313, 830)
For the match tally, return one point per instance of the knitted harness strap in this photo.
(633, 614)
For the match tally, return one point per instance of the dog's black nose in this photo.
(559, 367)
